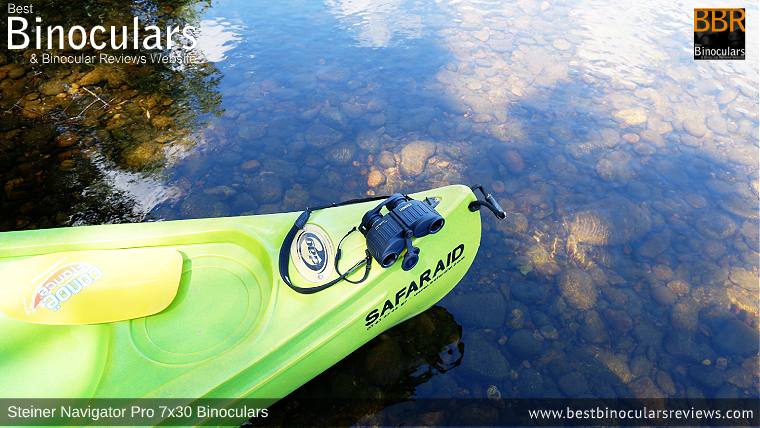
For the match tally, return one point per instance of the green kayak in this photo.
(196, 308)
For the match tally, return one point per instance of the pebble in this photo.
(523, 344)
(368, 140)
(161, 121)
(679, 287)
(645, 387)
(631, 116)
(320, 135)
(656, 244)
(663, 295)
(67, 139)
(631, 138)
(468, 308)
(52, 87)
(250, 165)
(734, 337)
(744, 278)
(375, 178)
(387, 160)
(594, 330)
(574, 385)
(482, 358)
(16, 71)
(513, 161)
(665, 382)
(414, 157)
(695, 125)
(578, 288)
(493, 393)
(715, 226)
(549, 332)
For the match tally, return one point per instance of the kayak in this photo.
(196, 308)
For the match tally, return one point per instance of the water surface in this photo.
(628, 266)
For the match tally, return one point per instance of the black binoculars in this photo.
(388, 235)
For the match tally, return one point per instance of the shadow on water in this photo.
(87, 143)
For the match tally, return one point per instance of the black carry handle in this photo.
(489, 203)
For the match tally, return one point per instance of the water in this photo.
(628, 266)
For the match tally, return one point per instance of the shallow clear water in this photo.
(628, 266)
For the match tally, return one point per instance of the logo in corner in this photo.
(63, 284)
(719, 33)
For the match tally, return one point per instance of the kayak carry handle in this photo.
(490, 203)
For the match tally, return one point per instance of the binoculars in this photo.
(388, 235)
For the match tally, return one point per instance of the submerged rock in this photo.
(482, 358)
(143, 155)
(52, 87)
(573, 385)
(578, 288)
(593, 328)
(414, 157)
(616, 166)
(611, 221)
(320, 135)
(735, 338)
(523, 344)
(631, 116)
(375, 178)
(655, 244)
(469, 309)
(715, 226)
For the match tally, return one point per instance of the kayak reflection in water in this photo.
(385, 371)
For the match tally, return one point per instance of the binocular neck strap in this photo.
(287, 243)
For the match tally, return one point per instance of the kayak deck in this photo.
(234, 328)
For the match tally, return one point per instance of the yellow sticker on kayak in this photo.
(89, 287)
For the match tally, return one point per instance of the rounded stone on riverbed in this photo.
(67, 139)
(320, 135)
(375, 178)
(414, 157)
(631, 138)
(513, 161)
(483, 358)
(656, 244)
(578, 288)
(664, 295)
(523, 344)
(469, 309)
(52, 87)
(715, 226)
(250, 165)
(631, 116)
(386, 159)
(744, 278)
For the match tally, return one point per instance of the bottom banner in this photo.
(448, 412)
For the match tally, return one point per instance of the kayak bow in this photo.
(196, 308)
